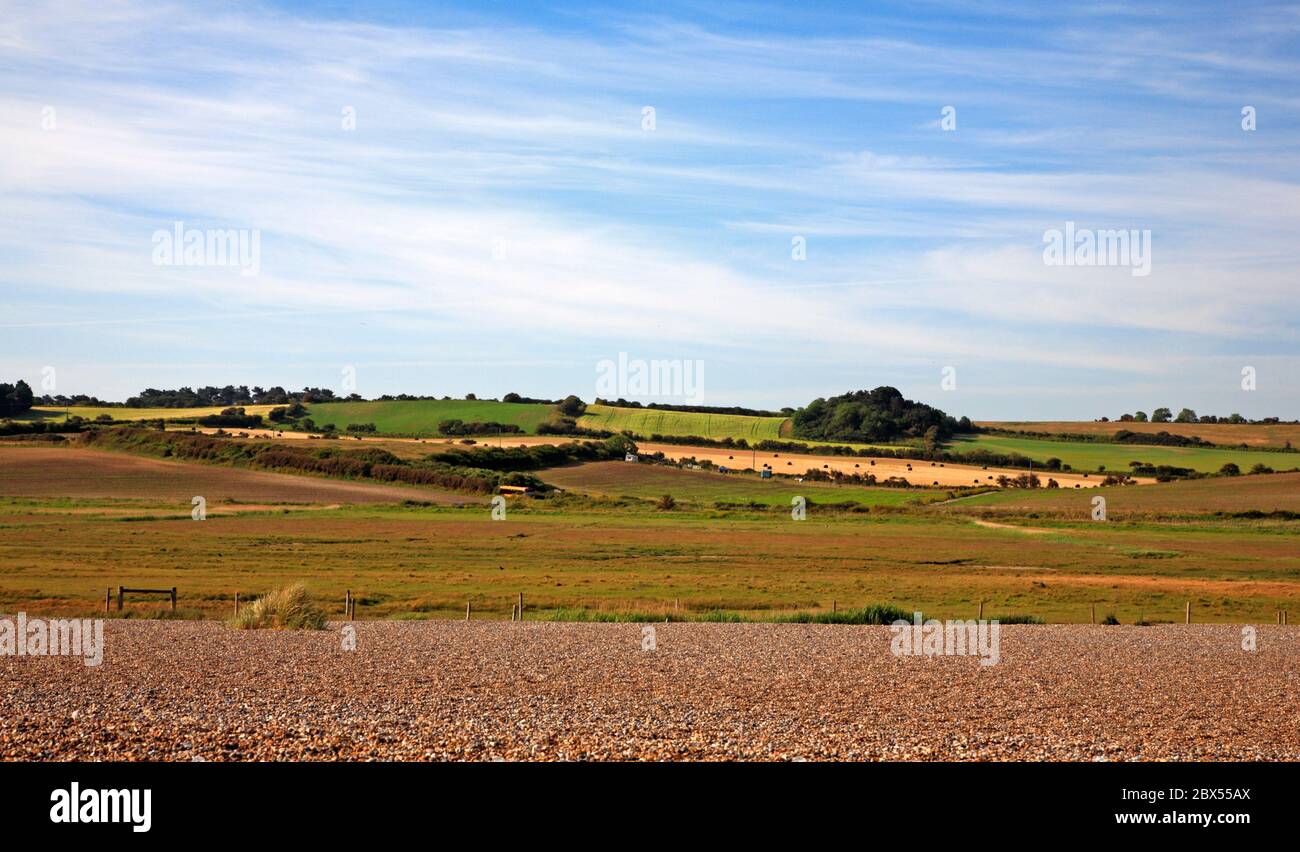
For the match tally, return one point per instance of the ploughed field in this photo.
(82, 474)
(547, 691)
(1228, 434)
(1266, 494)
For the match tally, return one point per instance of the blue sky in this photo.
(500, 219)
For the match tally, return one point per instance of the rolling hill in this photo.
(420, 418)
(653, 421)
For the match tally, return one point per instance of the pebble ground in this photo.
(549, 691)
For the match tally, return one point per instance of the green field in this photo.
(420, 418)
(89, 412)
(647, 422)
(708, 488)
(1116, 457)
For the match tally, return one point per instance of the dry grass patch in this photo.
(288, 608)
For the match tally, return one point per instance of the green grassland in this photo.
(408, 558)
(1116, 457)
(407, 561)
(709, 488)
(647, 422)
(420, 418)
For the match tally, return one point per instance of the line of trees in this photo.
(230, 395)
(696, 409)
(15, 398)
(1187, 415)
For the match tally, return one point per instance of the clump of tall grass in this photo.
(288, 608)
(1018, 619)
(871, 614)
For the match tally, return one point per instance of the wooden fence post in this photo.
(468, 606)
(347, 605)
(521, 606)
(236, 604)
(1187, 613)
(981, 618)
(173, 599)
(833, 606)
(1094, 613)
(108, 596)
(119, 598)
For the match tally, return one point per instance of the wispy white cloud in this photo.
(499, 182)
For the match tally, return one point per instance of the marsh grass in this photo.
(287, 608)
(870, 614)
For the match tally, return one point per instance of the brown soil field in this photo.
(402, 447)
(1225, 434)
(546, 691)
(1263, 493)
(71, 472)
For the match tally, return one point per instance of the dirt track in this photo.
(480, 691)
